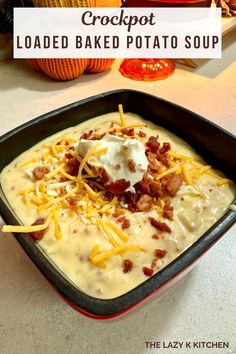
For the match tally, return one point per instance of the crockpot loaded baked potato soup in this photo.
(114, 203)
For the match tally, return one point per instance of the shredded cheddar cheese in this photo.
(27, 229)
(223, 181)
(105, 208)
(67, 175)
(26, 198)
(106, 233)
(179, 156)
(94, 252)
(118, 129)
(37, 200)
(54, 150)
(92, 194)
(92, 212)
(22, 192)
(220, 180)
(100, 152)
(120, 234)
(46, 156)
(107, 254)
(201, 171)
(42, 187)
(55, 171)
(58, 232)
(171, 170)
(54, 146)
(86, 167)
(195, 165)
(186, 175)
(46, 206)
(122, 118)
(33, 160)
(69, 194)
(91, 152)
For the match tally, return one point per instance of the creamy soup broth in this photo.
(195, 209)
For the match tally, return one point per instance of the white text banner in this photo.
(117, 33)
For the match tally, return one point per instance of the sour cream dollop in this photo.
(115, 161)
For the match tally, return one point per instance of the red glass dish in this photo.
(155, 69)
(147, 69)
(168, 3)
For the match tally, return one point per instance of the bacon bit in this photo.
(38, 235)
(62, 191)
(125, 223)
(163, 159)
(165, 148)
(72, 167)
(155, 237)
(154, 263)
(127, 265)
(63, 179)
(118, 187)
(148, 271)
(168, 210)
(167, 186)
(40, 172)
(103, 175)
(97, 137)
(62, 142)
(84, 257)
(73, 201)
(143, 185)
(118, 166)
(150, 187)
(160, 253)
(113, 132)
(172, 183)
(108, 195)
(132, 166)
(156, 189)
(141, 134)
(162, 226)
(131, 200)
(69, 156)
(153, 144)
(144, 203)
(129, 132)
(93, 187)
(86, 135)
(118, 213)
(153, 163)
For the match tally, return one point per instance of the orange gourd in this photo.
(63, 69)
(69, 69)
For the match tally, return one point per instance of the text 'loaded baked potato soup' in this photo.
(114, 204)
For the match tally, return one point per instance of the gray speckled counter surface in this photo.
(200, 307)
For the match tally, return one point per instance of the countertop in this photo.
(201, 307)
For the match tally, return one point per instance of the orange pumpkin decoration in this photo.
(69, 69)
